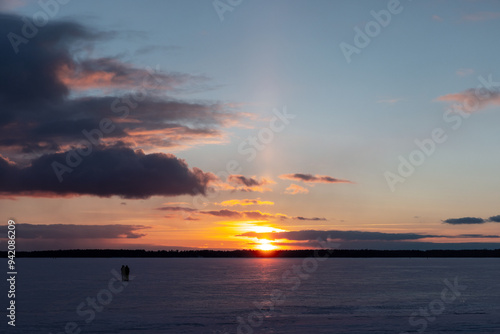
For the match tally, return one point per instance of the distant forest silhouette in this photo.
(360, 253)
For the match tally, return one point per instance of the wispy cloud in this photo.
(309, 178)
(244, 202)
(256, 215)
(237, 182)
(462, 72)
(338, 235)
(311, 219)
(72, 231)
(294, 189)
(176, 208)
(472, 100)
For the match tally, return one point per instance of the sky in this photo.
(250, 124)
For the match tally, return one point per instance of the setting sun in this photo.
(265, 245)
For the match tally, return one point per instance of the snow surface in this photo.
(204, 295)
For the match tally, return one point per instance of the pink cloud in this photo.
(294, 189)
(464, 72)
(472, 100)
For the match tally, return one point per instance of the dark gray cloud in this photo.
(55, 98)
(257, 215)
(464, 220)
(247, 184)
(391, 245)
(495, 219)
(312, 235)
(38, 113)
(29, 76)
(355, 239)
(246, 181)
(223, 213)
(478, 236)
(262, 215)
(71, 231)
(106, 172)
(309, 178)
(176, 208)
(226, 213)
(312, 218)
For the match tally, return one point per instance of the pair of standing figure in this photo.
(125, 272)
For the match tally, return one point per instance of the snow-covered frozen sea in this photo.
(226, 296)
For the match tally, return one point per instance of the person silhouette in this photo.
(123, 273)
(127, 272)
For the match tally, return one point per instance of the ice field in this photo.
(222, 296)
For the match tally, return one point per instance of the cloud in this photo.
(495, 219)
(312, 219)
(471, 220)
(472, 100)
(247, 184)
(262, 215)
(55, 99)
(176, 208)
(437, 18)
(223, 213)
(52, 92)
(477, 236)
(110, 73)
(106, 172)
(481, 16)
(255, 215)
(464, 220)
(309, 178)
(244, 202)
(71, 231)
(462, 72)
(312, 235)
(391, 245)
(294, 189)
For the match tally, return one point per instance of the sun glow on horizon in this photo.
(261, 243)
(265, 245)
